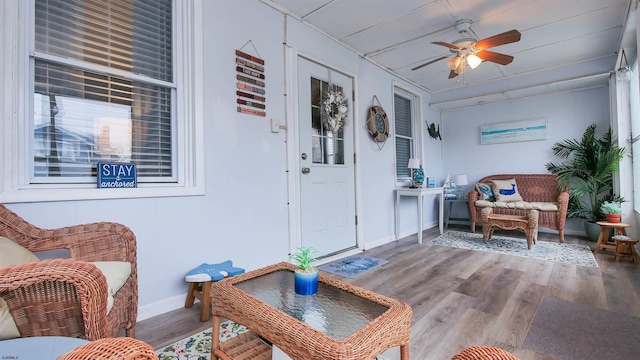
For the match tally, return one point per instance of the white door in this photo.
(327, 195)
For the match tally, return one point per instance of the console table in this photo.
(419, 193)
(341, 321)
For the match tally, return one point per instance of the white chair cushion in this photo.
(11, 253)
(523, 205)
(117, 273)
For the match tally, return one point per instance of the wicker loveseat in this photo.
(68, 297)
(538, 191)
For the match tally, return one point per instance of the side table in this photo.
(419, 193)
(605, 229)
(461, 220)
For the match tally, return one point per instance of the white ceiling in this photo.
(565, 44)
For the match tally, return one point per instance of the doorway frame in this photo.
(293, 144)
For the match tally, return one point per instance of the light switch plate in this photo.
(275, 125)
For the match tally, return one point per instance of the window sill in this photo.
(70, 194)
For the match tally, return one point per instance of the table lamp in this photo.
(460, 180)
(413, 164)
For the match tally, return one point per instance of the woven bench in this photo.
(527, 224)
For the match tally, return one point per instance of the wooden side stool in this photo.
(625, 247)
(200, 280)
(605, 229)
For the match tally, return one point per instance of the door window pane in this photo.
(327, 147)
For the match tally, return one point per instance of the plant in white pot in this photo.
(612, 211)
(306, 274)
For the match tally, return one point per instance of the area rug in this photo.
(566, 330)
(198, 346)
(352, 266)
(543, 250)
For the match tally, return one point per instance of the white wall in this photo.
(567, 114)
(244, 214)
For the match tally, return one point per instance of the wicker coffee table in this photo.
(527, 224)
(341, 321)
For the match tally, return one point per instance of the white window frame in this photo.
(416, 148)
(15, 78)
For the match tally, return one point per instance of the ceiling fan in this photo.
(469, 50)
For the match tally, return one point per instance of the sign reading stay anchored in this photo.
(117, 175)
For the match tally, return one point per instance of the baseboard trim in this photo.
(161, 307)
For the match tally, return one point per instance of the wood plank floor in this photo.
(463, 297)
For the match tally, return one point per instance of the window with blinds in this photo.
(403, 135)
(103, 90)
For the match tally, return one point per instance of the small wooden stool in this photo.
(200, 289)
(605, 230)
(625, 247)
(527, 224)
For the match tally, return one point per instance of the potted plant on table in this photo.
(612, 211)
(588, 172)
(306, 274)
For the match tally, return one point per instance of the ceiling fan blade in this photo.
(430, 62)
(450, 46)
(495, 57)
(452, 74)
(500, 39)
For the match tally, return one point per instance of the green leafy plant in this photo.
(588, 172)
(304, 258)
(611, 207)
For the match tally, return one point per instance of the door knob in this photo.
(306, 170)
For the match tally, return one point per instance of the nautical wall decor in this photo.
(433, 133)
(251, 83)
(378, 124)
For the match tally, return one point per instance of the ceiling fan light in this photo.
(454, 62)
(461, 68)
(473, 60)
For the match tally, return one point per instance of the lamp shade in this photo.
(461, 179)
(473, 61)
(413, 164)
(454, 62)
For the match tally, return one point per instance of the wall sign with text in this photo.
(250, 85)
(117, 175)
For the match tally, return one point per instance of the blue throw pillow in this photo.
(485, 192)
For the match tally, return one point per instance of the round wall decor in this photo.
(378, 124)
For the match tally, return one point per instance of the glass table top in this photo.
(336, 312)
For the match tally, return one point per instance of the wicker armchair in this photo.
(68, 297)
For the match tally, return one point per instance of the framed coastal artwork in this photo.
(513, 131)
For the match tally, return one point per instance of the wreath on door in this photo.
(336, 108)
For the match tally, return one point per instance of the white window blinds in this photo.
(404, 135)
(103, 88)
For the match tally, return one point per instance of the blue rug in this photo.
(352, 266)
(544, 250)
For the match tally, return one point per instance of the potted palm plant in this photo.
(612, 211)
(588, 172)
(306, 274)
